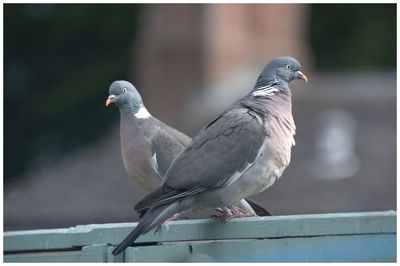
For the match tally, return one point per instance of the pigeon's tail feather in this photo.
(144, 203)
(140, 228)
(162, 196)
(142, 213)
(153, 217)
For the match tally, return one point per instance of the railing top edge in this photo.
(89, 227)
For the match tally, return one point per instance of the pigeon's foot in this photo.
(226, 217)
(174, 217)
(230, 213)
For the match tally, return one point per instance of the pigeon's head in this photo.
(280, 69)
(124, 95)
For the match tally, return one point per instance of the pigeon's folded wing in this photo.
(166, 144)
(216, 157)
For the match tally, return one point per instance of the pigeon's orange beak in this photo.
(301, 76)
(110, 99)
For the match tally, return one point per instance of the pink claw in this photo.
(232, 213)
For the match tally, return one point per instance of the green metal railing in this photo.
(344, 237)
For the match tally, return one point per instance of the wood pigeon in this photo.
(148, 146)
(240, 153)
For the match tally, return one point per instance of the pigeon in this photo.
(240, 153)
(148, 146)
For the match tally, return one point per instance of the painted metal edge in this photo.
(207, 229)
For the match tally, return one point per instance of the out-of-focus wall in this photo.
(168, 57)
(241, 36)
(193, 56)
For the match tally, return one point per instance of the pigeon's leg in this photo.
(225, 216)
(244, 207)
(174, 217)
(232, 212)
(221, 210)
(224, 210)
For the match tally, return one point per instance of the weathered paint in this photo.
(315, 237)
(345, 248)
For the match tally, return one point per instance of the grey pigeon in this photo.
(240, 153)
(149, 146)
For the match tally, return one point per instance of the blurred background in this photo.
(62, 161)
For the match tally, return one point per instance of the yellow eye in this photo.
(124, 90)
(287, 66)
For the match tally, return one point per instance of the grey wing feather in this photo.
(167, 143)
(224, 147)
(228, 145)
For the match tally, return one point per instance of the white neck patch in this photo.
(265, 91)
(142, 113)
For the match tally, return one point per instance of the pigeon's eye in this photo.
(287, 66)
(124, 90)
